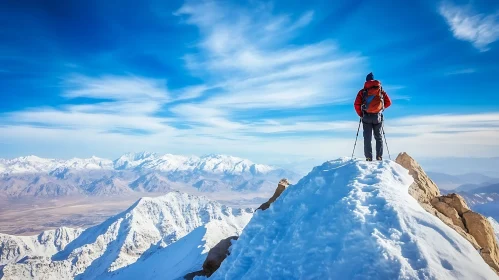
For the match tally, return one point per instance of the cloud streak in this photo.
(479, 29)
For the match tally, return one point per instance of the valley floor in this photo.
(30, 217)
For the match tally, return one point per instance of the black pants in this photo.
(373, 124)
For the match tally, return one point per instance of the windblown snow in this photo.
(351, 220)
(135, 242)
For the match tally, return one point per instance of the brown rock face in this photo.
(453, 211)
(480, 228)
(423, 188)
(283, 184)
(217, 255)
(448, 211)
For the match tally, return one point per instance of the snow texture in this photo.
(136, 240)
(349, 219)
(14, 248)
(495, 226)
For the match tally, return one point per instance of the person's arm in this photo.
(387, 100)
(358, 104)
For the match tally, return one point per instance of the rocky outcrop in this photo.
(423, 188)
(281, 186)
(453, 211)
(217, 255)
(479, 227)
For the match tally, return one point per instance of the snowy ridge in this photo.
(351, 220)
(211, 163)
(147, 228)
(34, 164)
(215, 164)
(14, 248)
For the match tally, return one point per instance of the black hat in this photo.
(370, 77)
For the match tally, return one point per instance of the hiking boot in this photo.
(369, 159)
(379, 158)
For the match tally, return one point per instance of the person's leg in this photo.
(368, 134)
(379, 140)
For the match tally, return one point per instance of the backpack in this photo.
(373, 101)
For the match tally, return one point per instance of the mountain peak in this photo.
(355, 219)
(153, 228)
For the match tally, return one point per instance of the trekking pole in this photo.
(360, 120)
(384, 136)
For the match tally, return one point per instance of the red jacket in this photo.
(358, 101)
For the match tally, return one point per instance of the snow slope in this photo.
(135, 238)
(180, 258)
(351, 220)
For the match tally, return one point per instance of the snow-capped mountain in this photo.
(34, 164)
(141, 172)
(351, 220)
(14, 248)
(216, 164)
(171, 233)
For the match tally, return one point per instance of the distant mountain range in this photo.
(462, 182)
(134, 172)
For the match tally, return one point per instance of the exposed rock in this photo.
(283, 184)
(453, 211)
(445, 208)
(482, 230)
(217, 255)
(192, 275)
(423, 188)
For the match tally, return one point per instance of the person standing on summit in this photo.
(369, 105)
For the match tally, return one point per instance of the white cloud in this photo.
(116, 88)
(130, 105)
(479, 29)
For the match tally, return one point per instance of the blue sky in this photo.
(264, 80)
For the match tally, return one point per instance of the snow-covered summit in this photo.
(351, 220)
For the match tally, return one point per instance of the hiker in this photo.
(369, 104)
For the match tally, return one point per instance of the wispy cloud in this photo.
(247, 62)
(124, 103)
(460, 71)
(468, 25)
